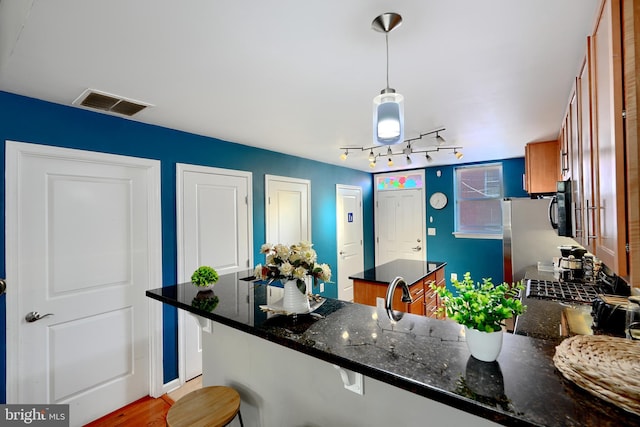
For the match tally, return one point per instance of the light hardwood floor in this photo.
(146, 411)
(187, 387)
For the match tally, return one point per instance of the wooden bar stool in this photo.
(213, 406)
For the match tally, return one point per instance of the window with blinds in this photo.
(478, 196)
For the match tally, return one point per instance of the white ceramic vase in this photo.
(483, 346)
(294, 301)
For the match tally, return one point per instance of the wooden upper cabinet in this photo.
(608, 139)
(542, 167)
(586, 203)
(575, 166)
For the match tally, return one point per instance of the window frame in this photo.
(456, 196)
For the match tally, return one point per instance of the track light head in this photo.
(344, 155)
(440, 140)
(458, 154)
(429, 158)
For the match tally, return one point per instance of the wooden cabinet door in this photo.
(587, 205)
(575, 168)
(608, 141)
(542, 167)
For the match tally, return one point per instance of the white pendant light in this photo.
(388, 107)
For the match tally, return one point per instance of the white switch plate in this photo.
(321, 286)
(431, 231)
(454, 276)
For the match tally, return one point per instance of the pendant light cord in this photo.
(386, 38)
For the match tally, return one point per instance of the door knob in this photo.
(34, 315)
(3, 286)
(417, 248)
(341, 253)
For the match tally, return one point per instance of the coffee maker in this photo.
(571, 263)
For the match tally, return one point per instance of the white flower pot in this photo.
(294, 301)
(483, 346)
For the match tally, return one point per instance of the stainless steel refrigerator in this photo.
(528, 236)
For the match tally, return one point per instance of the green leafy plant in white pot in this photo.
(204, 277)
(482, 309)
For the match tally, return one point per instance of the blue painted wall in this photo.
(481, 257)
(29, 120)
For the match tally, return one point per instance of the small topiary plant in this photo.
(482, 306)
(204, 276)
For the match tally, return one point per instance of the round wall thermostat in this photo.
(438, 200)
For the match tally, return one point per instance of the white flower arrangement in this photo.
(294, 262)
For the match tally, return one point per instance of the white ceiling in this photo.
(299, 77)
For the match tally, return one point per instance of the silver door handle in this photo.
(34, 315)
(417, 248)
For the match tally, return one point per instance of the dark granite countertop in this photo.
(425, 356)
(410, 270)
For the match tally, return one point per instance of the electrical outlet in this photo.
(321, 286)
(431, 231)
(454, 276)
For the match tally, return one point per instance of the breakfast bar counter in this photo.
(348, 364)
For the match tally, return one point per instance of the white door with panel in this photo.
(214, 228)
(349, 238)
(83, 243)
(288, 215)
(400, 218)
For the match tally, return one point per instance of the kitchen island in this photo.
(371, 284)
(417, 371)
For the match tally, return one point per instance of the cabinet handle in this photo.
(589, 235)
(577, 214)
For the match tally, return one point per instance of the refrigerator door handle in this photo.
(552, 203)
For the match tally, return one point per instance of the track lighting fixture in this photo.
(410, 148)
(388, 107)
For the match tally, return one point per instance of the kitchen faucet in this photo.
(406, 297)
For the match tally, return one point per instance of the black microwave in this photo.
(560, 209)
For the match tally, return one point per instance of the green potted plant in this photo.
(482, 309)
(204, 277)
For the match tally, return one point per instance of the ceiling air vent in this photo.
(103, 101)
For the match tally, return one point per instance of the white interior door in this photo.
(288, 210)
(349, 238)
(400, 225)
(83, 243)
(215, 229)
(288, 215)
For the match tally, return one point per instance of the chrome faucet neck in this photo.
(388, 301)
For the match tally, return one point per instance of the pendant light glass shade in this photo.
(388, 118)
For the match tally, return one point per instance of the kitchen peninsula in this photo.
(414, 371)
(371, 284)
